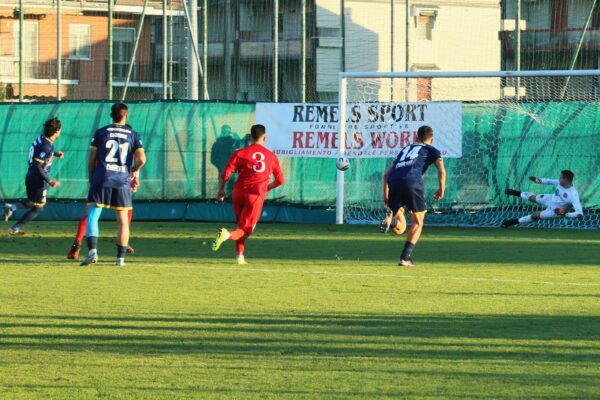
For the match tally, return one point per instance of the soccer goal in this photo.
(494, 129)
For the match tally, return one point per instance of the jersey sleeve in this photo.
(96, 140)
(231, 166)
(576, 203)
(434, 155)
(551, 182)
(137, 142)
(277, 173)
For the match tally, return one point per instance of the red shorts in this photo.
(247, 208)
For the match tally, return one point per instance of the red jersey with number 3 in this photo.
(254, 165)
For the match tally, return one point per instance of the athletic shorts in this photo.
(247, 208)
(406, 193)
(107, 197)
(36, 191)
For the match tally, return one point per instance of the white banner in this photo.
(377, 130)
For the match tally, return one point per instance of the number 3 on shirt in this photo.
(260, 162)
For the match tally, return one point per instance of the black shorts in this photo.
(409, 194)
(36, 191)
(107, 197)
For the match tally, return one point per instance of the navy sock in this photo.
(121, 251)
(30, 215)
(407, 252)
(92, 242)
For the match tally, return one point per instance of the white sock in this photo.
(526, 219)
(93, 252)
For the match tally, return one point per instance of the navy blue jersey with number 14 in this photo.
(115, 146)
(413, 161)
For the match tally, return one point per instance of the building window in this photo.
(424, 27)
(30, 47)
(123, 39)
(80, 39)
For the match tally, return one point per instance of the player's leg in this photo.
(413, 195)
(247, 221)
(398, 225)
(92, 233)
(414, 233)
(36, 200)
(123, 236)
(121, 202)
(523, 220)
(394, 218)
(238, 200)
(130, 250)
(81, 230)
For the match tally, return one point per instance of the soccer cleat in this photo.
(386, 222)
(120, 262)
(406, 263)
(510, 222)
(512, 192)
(91, 259)
(130, 250)
(222, 236)
(74, 252)
(8, 212)
(15, 230)
(241, 260)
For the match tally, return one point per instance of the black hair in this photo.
(568, 175)
(118, 111)
(257, 131)
(424, 133)
(51, 127)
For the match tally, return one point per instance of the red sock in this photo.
(236, 235)
(130, 215)
(239, 246)
(81, 229)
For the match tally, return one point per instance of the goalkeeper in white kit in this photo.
(565, 195)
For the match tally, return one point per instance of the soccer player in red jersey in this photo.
(254, 164)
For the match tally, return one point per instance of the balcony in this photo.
(35, 71)
(546, 40)
(249, 49)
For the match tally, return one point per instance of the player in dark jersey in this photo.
(404, 187)
(41, 154)
(116, 157)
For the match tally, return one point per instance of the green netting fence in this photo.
(188, 143)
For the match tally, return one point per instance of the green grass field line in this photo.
(322, 312)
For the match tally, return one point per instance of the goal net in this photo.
(493, 129)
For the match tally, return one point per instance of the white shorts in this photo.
(549, 213)
(545, 200)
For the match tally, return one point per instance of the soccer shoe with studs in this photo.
(8, 212)
(15, 230)
(241, 260)
(222, 236)
(386, 222)
(510, 222)
(406, 262)
(91, 259)
(74, 252)
(120, 262)
(512, 192)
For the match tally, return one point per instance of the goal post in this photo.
(494, 129)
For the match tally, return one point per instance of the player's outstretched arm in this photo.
(547, 181)
(439, 194)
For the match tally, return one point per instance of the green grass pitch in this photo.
(321, 312)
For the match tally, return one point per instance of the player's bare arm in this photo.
(92, 162)
(386, 188)
(139, 160)
(439, 194)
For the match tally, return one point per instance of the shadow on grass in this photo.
(477, 337)
(371, 248)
